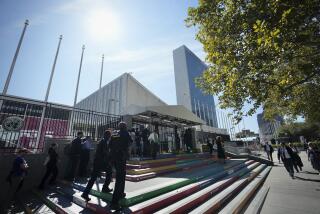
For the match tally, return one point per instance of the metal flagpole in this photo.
(77, 88)
(76, 93)
(101, 71)
(52, 71)
(47, 93)
(99, 98)
(6, 86)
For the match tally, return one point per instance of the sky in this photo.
(136, 37)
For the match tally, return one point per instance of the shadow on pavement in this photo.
(307, 179)
(312, 173)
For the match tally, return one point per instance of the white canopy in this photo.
(175, 112)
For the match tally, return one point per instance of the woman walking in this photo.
(220, 149)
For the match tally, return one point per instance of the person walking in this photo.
(85, 156)
(51, 165)
(297, 163)
(120, 141)
(132, 146)
(210, 146)
(285, 153)
(15, 179)
(153, 139)
(269, 150)
(101, 163)
(138, 142)
(220, 149)
(73, 153)
(314, 156)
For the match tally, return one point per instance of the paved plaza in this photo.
(294, 196)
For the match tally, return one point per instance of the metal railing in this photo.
(25, 123)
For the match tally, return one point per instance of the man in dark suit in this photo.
(74, 157)
(120, 141)
(286, 155)
(101, 163)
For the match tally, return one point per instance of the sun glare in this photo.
(103, 25)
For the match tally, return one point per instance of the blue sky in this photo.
(135, 36)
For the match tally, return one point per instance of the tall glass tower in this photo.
(187, 67)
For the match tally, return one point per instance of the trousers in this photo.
(97, 169)
(120, 166)
(51, 170)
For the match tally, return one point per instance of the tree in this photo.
(294, 130)
(262, 53)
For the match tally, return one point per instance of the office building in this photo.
(268, 129)
(187, 67)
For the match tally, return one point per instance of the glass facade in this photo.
(187, 67)
(268, 129)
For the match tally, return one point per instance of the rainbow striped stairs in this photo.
(180, 184)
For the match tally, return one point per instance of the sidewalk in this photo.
(294, 196)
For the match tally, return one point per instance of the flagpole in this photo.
(76, 93)
(79, 73)
(98, 97)
(101, 71)
(53, 69)
(6, 86)
(47, 93)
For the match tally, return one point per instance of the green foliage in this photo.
(299, 144)
(262, 52)
(294, 130)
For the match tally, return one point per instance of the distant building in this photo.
(268, 129)
(246, 133)
(187, 67)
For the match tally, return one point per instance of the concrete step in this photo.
(35, 205)
(255, 205)
(171, 197)
(154, 189)
(214, 204)
(96, 205)
(238, 204)
(168, 169)
(203, 195)
(58, 203)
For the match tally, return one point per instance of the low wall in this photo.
(36, 168)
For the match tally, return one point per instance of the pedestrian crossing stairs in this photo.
(209, 188)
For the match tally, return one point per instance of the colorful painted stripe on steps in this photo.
(217, 202)
(167, 167)
(148, 195)
(164, 200)
(208, 189)
(137, 178)
(238, 204)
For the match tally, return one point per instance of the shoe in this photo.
(106, 189)
(115, 207)
(86, 197)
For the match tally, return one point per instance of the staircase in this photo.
(180, 184)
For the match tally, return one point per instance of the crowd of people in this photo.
(288, 154)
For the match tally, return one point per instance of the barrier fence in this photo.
(25, 123)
